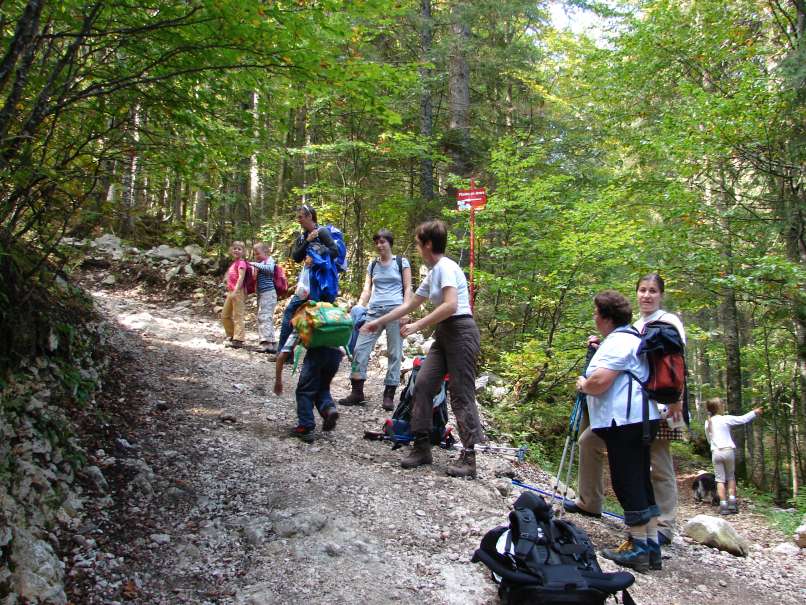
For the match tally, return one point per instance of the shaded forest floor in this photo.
(211, 502)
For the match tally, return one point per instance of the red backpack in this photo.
(280, 281)
(249, 281)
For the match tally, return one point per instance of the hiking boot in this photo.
(420, 453)
(663, 539)
(356, 396)
(389, 397)
(636, 557)
(723, 508)
(331, 416)
(464, 466)
(303, 434)
(655, 558)
(234, 344)
(570, 506)
(267, 347)
(733, 506)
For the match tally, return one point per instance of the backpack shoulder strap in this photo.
(400, 270)
(372, 268)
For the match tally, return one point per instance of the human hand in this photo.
(278, 387)
(674, 412)
(312, 235)
(594, 341)
(370, 327)
(758, 411)
(404, 320)
(409, 329)
(581, 380)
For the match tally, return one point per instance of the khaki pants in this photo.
(593, 457)
(232, 315)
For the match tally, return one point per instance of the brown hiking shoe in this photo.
(420, 454)
(389, 397)
(464, 466)
(356, 396)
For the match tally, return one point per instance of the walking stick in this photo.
(573, 432)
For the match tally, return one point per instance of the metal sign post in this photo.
(471, 199)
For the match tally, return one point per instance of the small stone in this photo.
(160, 538)
(419, 512)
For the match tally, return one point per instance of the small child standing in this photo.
(313, 387)
(266, 298)
(232, 315)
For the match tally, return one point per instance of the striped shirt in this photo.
(265, 275)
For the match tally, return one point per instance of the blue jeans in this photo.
(394, 347)
(285, 329)
(313, 388)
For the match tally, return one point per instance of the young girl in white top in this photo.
(723, 451)
(454, 352)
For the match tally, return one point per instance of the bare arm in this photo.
(278, 373)
(448, 306)
(241, 275)
(598, 382)
(366, 292)
(407, 293)
(394, 314)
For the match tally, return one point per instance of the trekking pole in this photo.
(573, 432)
(532, 488)
(518, 452)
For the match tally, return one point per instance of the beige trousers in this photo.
(592, 461)
(232, 315)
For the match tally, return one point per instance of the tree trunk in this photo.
(128, 197)
(426, 103)
(459, 93)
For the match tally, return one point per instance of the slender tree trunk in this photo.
(426, 103)
(459, 90)
(128, 196)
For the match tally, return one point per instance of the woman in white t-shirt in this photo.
(615, 402)
(454, 352)
(723, 451)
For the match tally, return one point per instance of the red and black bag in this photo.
(666, 355)
(280, 281)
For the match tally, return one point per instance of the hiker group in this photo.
(632, 392)
(384, 305)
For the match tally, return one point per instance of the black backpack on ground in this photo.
(539, 560)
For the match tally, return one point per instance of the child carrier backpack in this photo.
(280, 281)
(397, 429)
(539, 560)
(338, 237)
(322, 324)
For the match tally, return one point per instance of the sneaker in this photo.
(572, 507)
(331, 417)
(636, 557)
(723, 509)
(234, 344)
(303, 434)
(733, 507)
(663, 539)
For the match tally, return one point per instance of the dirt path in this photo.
(211, 502)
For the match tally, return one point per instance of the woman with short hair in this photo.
(454, 352)
(612, 383)
(387, 286)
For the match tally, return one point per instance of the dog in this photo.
(704, 487)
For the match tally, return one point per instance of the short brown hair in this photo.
(435, 232)
(714, 406)
(384, 234)
(614, 306)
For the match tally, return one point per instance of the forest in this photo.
(667, 135)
